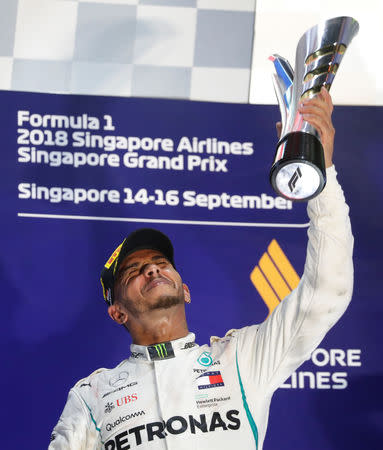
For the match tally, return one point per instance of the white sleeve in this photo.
(269, 353)
(74, 429)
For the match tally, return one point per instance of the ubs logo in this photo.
(126, 399)
(109, 407)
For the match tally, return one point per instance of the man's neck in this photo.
(159, 326)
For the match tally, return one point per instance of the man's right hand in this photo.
(317, 112)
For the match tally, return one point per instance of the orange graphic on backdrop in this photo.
(274, 277)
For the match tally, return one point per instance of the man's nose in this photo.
(151, 270)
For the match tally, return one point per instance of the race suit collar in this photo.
(162, 350)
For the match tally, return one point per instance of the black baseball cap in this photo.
(143, 238)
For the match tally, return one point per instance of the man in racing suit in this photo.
(174, 394)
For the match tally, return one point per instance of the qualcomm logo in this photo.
(274, 277)
(205, 359)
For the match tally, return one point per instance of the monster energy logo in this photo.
(161, 351)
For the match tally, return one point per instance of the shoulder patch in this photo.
(231, 333)
(87, 380)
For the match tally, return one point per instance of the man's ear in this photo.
(118, 313)
(186, 293)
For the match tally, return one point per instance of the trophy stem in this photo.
(298, 172)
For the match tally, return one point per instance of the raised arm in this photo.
(270, 352)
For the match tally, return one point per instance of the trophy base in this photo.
(298, 172)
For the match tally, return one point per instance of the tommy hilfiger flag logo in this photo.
(210, 380)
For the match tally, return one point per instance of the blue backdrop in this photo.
(60, 223)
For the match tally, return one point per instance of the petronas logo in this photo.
(205, 359)
(161, 350)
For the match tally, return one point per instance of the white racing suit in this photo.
(180, 396)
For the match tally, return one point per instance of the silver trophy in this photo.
(298, 172)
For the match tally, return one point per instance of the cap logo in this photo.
(113, 257)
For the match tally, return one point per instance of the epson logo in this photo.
(174, 425)
(188, 345)
(121, 419)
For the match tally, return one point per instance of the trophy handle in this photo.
(283, 78)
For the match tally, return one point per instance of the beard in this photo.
(166, 302)
(161, 302)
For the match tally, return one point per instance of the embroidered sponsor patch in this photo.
(205, 359)
(210, 380)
